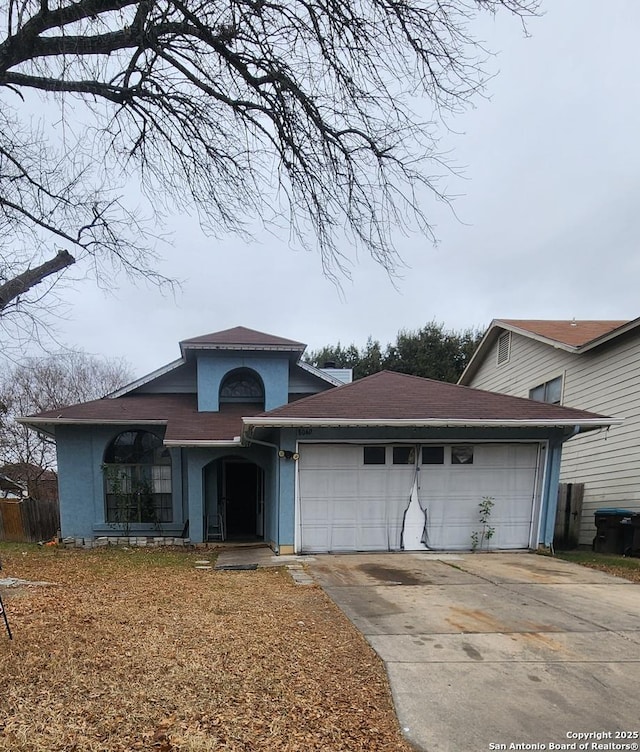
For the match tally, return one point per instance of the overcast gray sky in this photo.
(547, 217)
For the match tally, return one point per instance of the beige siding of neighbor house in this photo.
(605, 381)
(530, 363)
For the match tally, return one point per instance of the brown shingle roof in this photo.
(383, 397)
(574, 333)
(389, 396)
(239, 336)
(179, 412)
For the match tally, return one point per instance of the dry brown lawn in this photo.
(620, 566)
(137, 650)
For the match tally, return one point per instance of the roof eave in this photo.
(585, 423)
(292, 349)
(320, 374)
(538, 337)
(235, 442)
(613, 334)
(37, 423)
(146, 379)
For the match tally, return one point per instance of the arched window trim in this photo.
(137, 479)
(248, 386)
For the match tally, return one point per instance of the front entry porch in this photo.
(234, 490)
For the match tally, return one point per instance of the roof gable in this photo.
(574, 336)
(573, 333)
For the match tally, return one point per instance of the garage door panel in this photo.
(373, 538)
(372, 484)
(338, 456)
(317, 539)
(343, 538)
(343, 511)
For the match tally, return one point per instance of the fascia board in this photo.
(203, 443)
(587, 423)
(146, 379)
(478, 355)
(538, 337)
(247, 348)
(36, 422)
(319, 373)
(629, 326)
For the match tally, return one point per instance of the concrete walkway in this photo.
(497, 649)
(261, 557)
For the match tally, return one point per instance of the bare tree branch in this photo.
(22, 283)
(237, 109)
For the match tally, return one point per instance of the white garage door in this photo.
(357, 498)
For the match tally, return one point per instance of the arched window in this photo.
(137, 474)
(241, 385)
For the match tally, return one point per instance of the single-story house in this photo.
(239, 439)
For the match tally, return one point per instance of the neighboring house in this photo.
(11, 488)
(241, 440)
(589, 365)
(39, 483)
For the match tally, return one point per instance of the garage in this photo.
(395, 462)
(381, 497)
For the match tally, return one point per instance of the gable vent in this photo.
(504, 347)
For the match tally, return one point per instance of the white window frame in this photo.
(544, 386)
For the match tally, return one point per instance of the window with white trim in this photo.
(550, 391)
(374, 455)
(433, 455)
(404, 455)
(462, 455)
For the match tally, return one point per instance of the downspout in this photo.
(250, 440)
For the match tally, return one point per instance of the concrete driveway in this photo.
(493, 649)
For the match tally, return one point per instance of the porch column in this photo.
(195, 497)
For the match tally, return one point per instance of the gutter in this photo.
(91, 421)
(587, 423)
(235, 442)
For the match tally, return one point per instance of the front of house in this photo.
(240, 440)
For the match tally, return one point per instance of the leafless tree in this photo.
(296, 109)
(47, 383)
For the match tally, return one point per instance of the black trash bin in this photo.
(614, 531)
(635, 542)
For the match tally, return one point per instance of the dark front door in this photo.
(242, 483)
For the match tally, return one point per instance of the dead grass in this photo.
(138, 650)
(620, 566)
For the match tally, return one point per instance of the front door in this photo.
(242, 492)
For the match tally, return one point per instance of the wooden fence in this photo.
(28, 520)
(568, 515)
